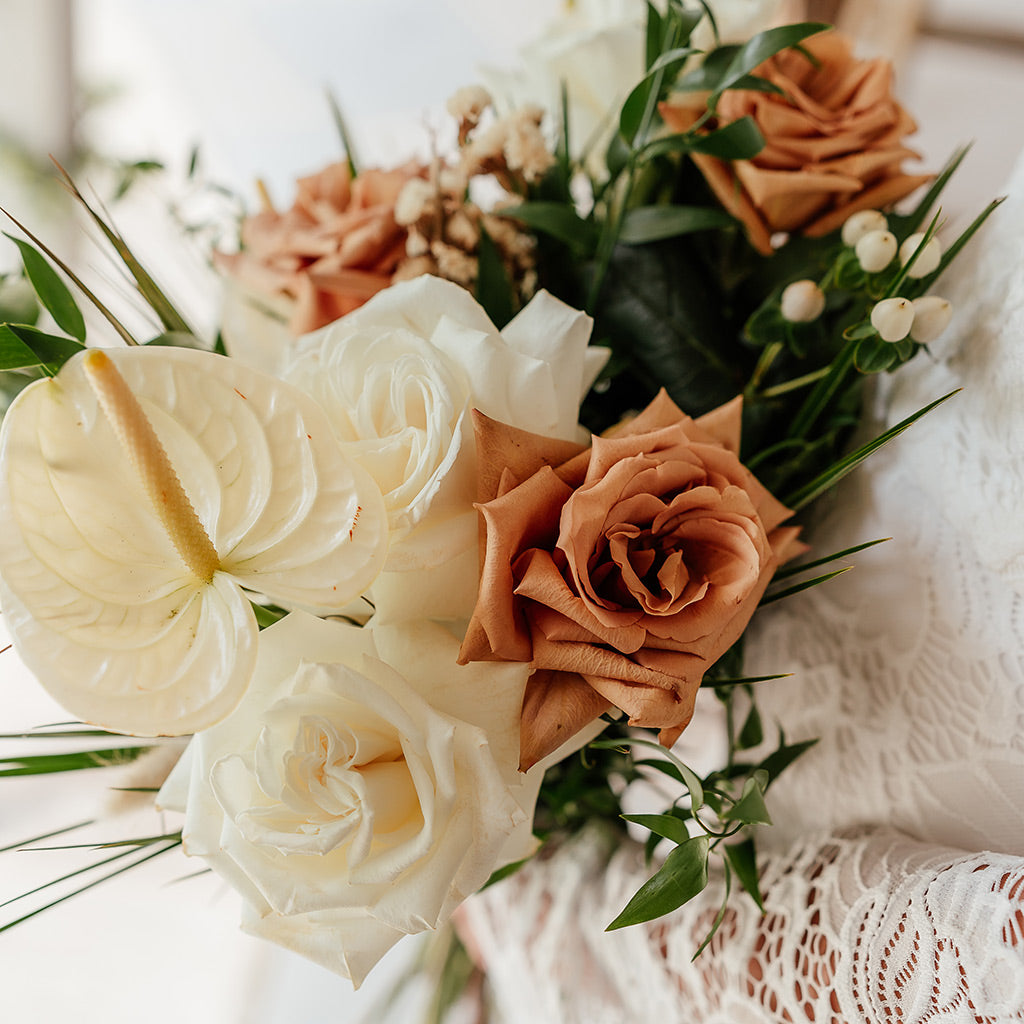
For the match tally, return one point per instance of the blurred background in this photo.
(236, 90)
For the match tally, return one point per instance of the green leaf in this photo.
(148, 288)
(762, 46)
(555, 219)
(750, 808)
(177, 339)
(804, 585)
(668, 826)
(752, 732)
(739, 140)
(720, 916)
(653, 223)
(653, 35)
(795, 570)
(267, 614)
(873, 355)
(22, 346)
(18, 303)
(683, 876)
(638, 109)
(52, 291)
(907, 224)
(743, 860)
(344, 135)
(708, 77)
(742, 680)
(494, 290)
(778, 761)
(46, 764)
(831, 476)
(689, 777)
(76, 281)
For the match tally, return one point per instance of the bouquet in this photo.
(426, 557)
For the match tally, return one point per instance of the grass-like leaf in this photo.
(47, 764)
(803, 585)
(907, 224)
(52, 291)
(148, 288)
(122, 331)
(344, 135)
(796, 570)
(149, 855)
(683, 876)
(22, 844)
(742, 680)
(831, 476)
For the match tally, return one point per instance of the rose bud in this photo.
(892, 318)
(802, 302)
(927, 259)
(931, 317)
(861, 223)
(875, 250)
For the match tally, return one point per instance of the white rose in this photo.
(365, 786)
(399, 378)
(596, 48)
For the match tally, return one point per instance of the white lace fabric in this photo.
(861, 927)
(910, 669)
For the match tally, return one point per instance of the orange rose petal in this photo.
(735, 201)
(881, 195)
(556, 706)
(723, 425)
(525, 518)
(502, 448)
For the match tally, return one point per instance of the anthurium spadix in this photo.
(140, 491)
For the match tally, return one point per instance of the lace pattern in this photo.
(860, 927)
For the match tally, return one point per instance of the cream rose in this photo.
(398, 379)
(595, 48)
(364, 787)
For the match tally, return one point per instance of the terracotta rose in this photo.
(833, 142)
(336, 247)
(622, 571)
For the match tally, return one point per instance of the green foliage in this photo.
(23, 347)
(52, 292)
(683, 875)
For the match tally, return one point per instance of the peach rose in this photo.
(623, 571)
(336, 247)
(833, 143)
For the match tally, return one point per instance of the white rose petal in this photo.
(399, 378)
(363, 788)
(102, 605)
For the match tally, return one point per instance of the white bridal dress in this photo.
(894, 876)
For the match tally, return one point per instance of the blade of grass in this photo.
(795, 570)
(90, 885)
(46, 835)
(806, 494)
(804, 585)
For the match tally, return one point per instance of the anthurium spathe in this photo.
(140, 491)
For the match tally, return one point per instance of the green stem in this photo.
(824, 392)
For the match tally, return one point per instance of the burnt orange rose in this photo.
(622, 571)
(833, 143)
(336, 247)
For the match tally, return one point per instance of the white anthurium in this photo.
(140, 491)
(364, 787)
(399, 379)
